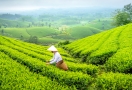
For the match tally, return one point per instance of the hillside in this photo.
(47, 35)
(51, 31)
(112, 48)
(13, 23)
(22, 65)
(79, 32)
(102, 24)
(44, 34)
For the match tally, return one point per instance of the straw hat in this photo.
(52, 48)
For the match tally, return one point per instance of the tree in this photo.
(33, 39)
(21, 37)
(49, 24)
(123, 16)
(63, 43)
(2, 31)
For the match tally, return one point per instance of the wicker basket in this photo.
(62, 65)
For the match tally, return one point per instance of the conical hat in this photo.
(52, 48)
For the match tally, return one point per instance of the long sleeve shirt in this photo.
(56, 58)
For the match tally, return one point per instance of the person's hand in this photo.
(47, 63)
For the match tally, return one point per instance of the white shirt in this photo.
(56, 58)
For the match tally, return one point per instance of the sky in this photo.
(22, 5)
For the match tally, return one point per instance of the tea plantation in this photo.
(99, 62)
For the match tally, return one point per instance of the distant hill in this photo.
(51, 34)
(13, 23)
(50, 29)
(102, 24)
(82, 31)
(10, 16)
(25, 33)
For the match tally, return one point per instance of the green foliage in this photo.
(63, 43)
(124, 16)
(69, 78)
(63, 37)
(33, 39)
(35, 62)
(48, 41)
(121, 18)
(121, 61)
(15, 76)
(99, 48)
(88, 69)
(114, 81)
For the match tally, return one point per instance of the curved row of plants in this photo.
(88, 69)
(15, 76)
(77, 79)
(121, 61)
(97, 49)
(37, 48)
(113, 81)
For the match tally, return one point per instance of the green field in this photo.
(48, 40)
(98, 62)
(15, 32)
(25, 33)
(52, 30)
(41, 31)
(51, 34)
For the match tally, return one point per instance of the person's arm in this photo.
(48, 62)
(51, 59)
(54, 60)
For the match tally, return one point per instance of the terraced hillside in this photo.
(112, 48)
(22, 65)
(30, 59)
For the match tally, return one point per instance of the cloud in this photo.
(35, 4)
